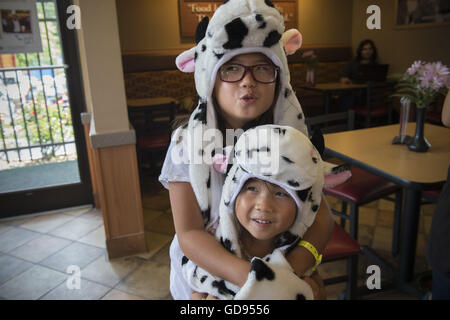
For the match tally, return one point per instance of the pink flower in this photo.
(414, 67)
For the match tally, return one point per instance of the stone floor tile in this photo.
(40, 248)
(17, 221)
(4, 227)
(110, 272)
(163, 224)
(78, 254)
(15, 237)
(76, 212)
(94, 214)
(11, 267)
(427, 220)
(386, 205)
(46, 222)
(382, 239)
(385, 218)
(365, 235)
(368, 216)
(88, 291)
(163, 256)
(32, 284)
(150, 215)
(95, 238)
(150, 280)
(156, 202)
(115, 294)
(76, 229)
(155, 241)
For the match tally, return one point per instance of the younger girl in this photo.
(243, 38)
(264, 212)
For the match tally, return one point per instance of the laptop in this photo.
(371, 72)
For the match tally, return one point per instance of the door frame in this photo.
(70, 195)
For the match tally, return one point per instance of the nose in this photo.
(264, 201)
(248, 80)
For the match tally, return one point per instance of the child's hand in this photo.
(198, 295)
(202, 296)
(316, 283)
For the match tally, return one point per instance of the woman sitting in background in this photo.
(365, 54)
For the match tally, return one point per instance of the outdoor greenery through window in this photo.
(36, 121)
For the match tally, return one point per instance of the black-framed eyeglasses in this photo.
(263, 73)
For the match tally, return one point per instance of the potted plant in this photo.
(420, 84)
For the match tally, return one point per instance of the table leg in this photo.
(409, 235)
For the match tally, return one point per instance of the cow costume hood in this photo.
(237, 27)
(286, 157)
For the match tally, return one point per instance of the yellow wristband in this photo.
(308, 246)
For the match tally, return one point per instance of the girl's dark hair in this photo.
(360, 47)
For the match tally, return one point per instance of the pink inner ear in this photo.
(186, 64)
(293, 43)
(220, 163)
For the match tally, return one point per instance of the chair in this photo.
(362, 188)
(378, 103)
(152, 124)
(431, 196)
(343, 246)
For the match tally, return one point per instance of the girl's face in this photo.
(367, 51)
(247, 99)
(265, 210)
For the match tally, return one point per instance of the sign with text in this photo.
(192, 12)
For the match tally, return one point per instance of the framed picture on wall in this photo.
(19, 29)
(421, 13)
(191, 12)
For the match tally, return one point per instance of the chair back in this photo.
(378, 94)
(152, 120)
(332, 122)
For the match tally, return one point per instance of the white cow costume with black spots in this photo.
(283, 156)
(237, 27)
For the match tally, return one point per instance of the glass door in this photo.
(43, 161)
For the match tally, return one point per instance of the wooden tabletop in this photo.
(142, 102)
(373, 147)
(330, 86)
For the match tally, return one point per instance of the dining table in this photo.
(330, 88)
(371, 149)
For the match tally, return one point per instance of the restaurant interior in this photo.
(80, 188)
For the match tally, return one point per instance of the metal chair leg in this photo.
(344, 212)
(354, 212)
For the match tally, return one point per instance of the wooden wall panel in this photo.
(116, 187)
(165, 59)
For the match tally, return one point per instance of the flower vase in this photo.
(419, 143)
(310, 77)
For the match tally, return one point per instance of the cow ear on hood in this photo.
(292, 41)
(185, 61)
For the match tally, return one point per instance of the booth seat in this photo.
(154, 74)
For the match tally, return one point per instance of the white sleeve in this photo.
(176, 163)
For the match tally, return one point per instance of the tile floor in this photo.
(36, 253)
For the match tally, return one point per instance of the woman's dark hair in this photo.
(360, 47)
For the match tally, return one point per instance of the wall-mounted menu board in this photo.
(193, 11)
